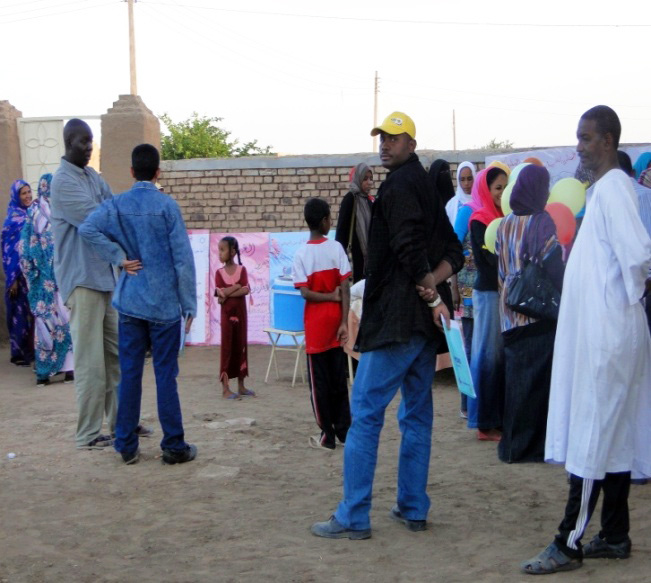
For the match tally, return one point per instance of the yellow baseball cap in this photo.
(396, 123)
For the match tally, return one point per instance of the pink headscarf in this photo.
(482, 205)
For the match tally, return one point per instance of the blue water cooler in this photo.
(287, 305)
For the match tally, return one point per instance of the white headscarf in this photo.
(460, 198)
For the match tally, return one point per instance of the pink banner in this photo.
(200, 243)
(254, 250)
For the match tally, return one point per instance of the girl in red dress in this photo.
(231, 287)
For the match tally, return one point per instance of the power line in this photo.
(286, 55)
(259, 66)
(494, 107)
(49, 14)
(22, 3)
(21, 12)
(405, 21)
(507, 97)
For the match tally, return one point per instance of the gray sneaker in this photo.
(413, 525)
(334, 529)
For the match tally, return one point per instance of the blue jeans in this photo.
(410, 367)
(487, 363)
(135, 336)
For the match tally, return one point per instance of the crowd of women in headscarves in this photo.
(37, 320)
(510, 353)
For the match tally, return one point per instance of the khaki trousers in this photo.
(94, 331)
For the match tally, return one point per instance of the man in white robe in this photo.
(599, 422)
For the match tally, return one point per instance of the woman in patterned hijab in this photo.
(19, 317)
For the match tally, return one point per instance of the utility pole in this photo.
(377, 88)
(132, 50)
(454, 131)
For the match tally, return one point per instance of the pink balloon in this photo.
(564, 220)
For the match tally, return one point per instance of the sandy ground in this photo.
(242, 510)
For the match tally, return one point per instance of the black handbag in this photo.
(530, 292)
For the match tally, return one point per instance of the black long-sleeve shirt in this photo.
(485, 260)
(410, 235)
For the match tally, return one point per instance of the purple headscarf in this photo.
(529, 197)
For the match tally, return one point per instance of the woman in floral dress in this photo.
(53, 343)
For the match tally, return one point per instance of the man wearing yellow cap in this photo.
(412, 250)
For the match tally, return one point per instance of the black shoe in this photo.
(69, 378)
(413, 525)
(42, 382)
(598, 548)
(175, 456)
(131, 457)
(100, 442)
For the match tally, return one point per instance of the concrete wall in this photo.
(268, 193)
(10, 170)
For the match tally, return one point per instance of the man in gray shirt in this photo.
(86, 282)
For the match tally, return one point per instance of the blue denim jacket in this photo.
(146, 224)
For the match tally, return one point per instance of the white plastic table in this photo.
(298, 347)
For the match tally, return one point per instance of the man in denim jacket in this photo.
(145, 226)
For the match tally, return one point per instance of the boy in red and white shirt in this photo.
(321, 272)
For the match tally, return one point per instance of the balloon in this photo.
(533, 160)
(491, 234)
(506, 198)
(514, 173)
(570, 192)
(498, 164)
(564, 220)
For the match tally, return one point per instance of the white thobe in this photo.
(600, 401)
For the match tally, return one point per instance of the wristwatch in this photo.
(435, 303)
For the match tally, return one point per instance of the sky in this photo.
(298, 75)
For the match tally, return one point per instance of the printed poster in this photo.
(200, 243)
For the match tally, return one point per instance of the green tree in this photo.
(201, 137)
(494, 144)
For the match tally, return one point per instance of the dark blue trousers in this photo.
(135, 336)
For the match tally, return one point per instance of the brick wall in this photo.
(268, 193)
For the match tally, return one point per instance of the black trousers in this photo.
(581, 503)
(329, 394)
(528, 352)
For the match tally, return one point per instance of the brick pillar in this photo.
(128, 123)
(10, 170)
